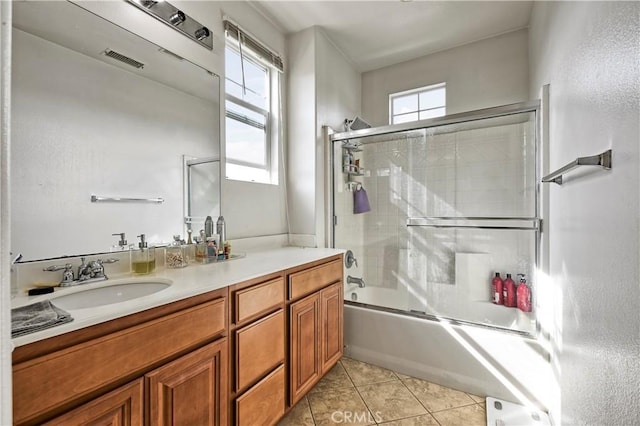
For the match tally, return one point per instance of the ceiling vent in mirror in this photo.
(176, 19)
(122, 58)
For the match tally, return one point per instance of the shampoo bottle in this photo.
(509, 292)
(496, 289)
(524, 295)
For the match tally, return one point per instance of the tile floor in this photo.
(357, 393)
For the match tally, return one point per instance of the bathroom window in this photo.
(251, 109)
(418, 104)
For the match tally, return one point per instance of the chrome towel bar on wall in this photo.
(98, 199)
(602, 160)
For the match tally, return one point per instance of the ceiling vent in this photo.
(122, 58)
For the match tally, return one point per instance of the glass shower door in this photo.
(450, 206)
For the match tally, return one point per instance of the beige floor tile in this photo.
(390, 401)
(339, 406)
(436, 397)
(471, 415)
(477, 398)
(425, 420)
(362, 373)
(336, 378)
(300, 415)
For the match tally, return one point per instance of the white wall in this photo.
(338, 85)
(301, 131)
(324, 89)
(5, 208)
(589, 53)
(483, 74)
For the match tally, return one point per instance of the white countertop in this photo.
(185, 282)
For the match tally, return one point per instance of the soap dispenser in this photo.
(143, 260)
(122, 244)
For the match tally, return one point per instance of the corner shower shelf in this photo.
(603, 160)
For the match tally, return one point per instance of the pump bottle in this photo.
(524, 295)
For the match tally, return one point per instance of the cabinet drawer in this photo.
(263, 404)
(253, 301)
(87, 367)
(259, 348)
(307, 281)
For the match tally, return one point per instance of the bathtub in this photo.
(475, 359)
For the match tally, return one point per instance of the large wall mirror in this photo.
(97, 110)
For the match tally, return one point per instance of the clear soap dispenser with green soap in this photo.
(143, 260)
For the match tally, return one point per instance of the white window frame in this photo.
(269, 169)
(416, 92)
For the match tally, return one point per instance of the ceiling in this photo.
(376, 34)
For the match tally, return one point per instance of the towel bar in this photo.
(96, 199)
(603, 160)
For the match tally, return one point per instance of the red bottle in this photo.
(496, 289)
(509, 292)
(524, 295)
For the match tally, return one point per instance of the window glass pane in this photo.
(245, 143)
(256, 83)
(232, 68)
(431, 113)
(245, 112)
(233, 88)
(404, 104)
(256, 79)
(433, 98)
(404, 118)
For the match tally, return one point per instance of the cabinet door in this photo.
(192, 390)
(331, 320)
(304, 346)
(121, 407)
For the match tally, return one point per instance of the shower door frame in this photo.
(331, 137)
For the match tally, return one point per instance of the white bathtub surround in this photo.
(472, 359)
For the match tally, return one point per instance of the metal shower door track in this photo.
(480, 114)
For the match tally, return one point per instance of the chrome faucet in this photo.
(87, 272)
(355, 280)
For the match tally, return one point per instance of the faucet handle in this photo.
(350, 259)
(67, 275)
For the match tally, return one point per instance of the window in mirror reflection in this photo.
(250, 124)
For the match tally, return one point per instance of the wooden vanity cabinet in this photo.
(258, 334)
(176, 353)
(315, 324)
(242, 355)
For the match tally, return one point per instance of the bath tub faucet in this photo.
(355, 280)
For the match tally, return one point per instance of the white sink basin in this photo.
(109, 294)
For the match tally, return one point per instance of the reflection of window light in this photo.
(418, 104)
